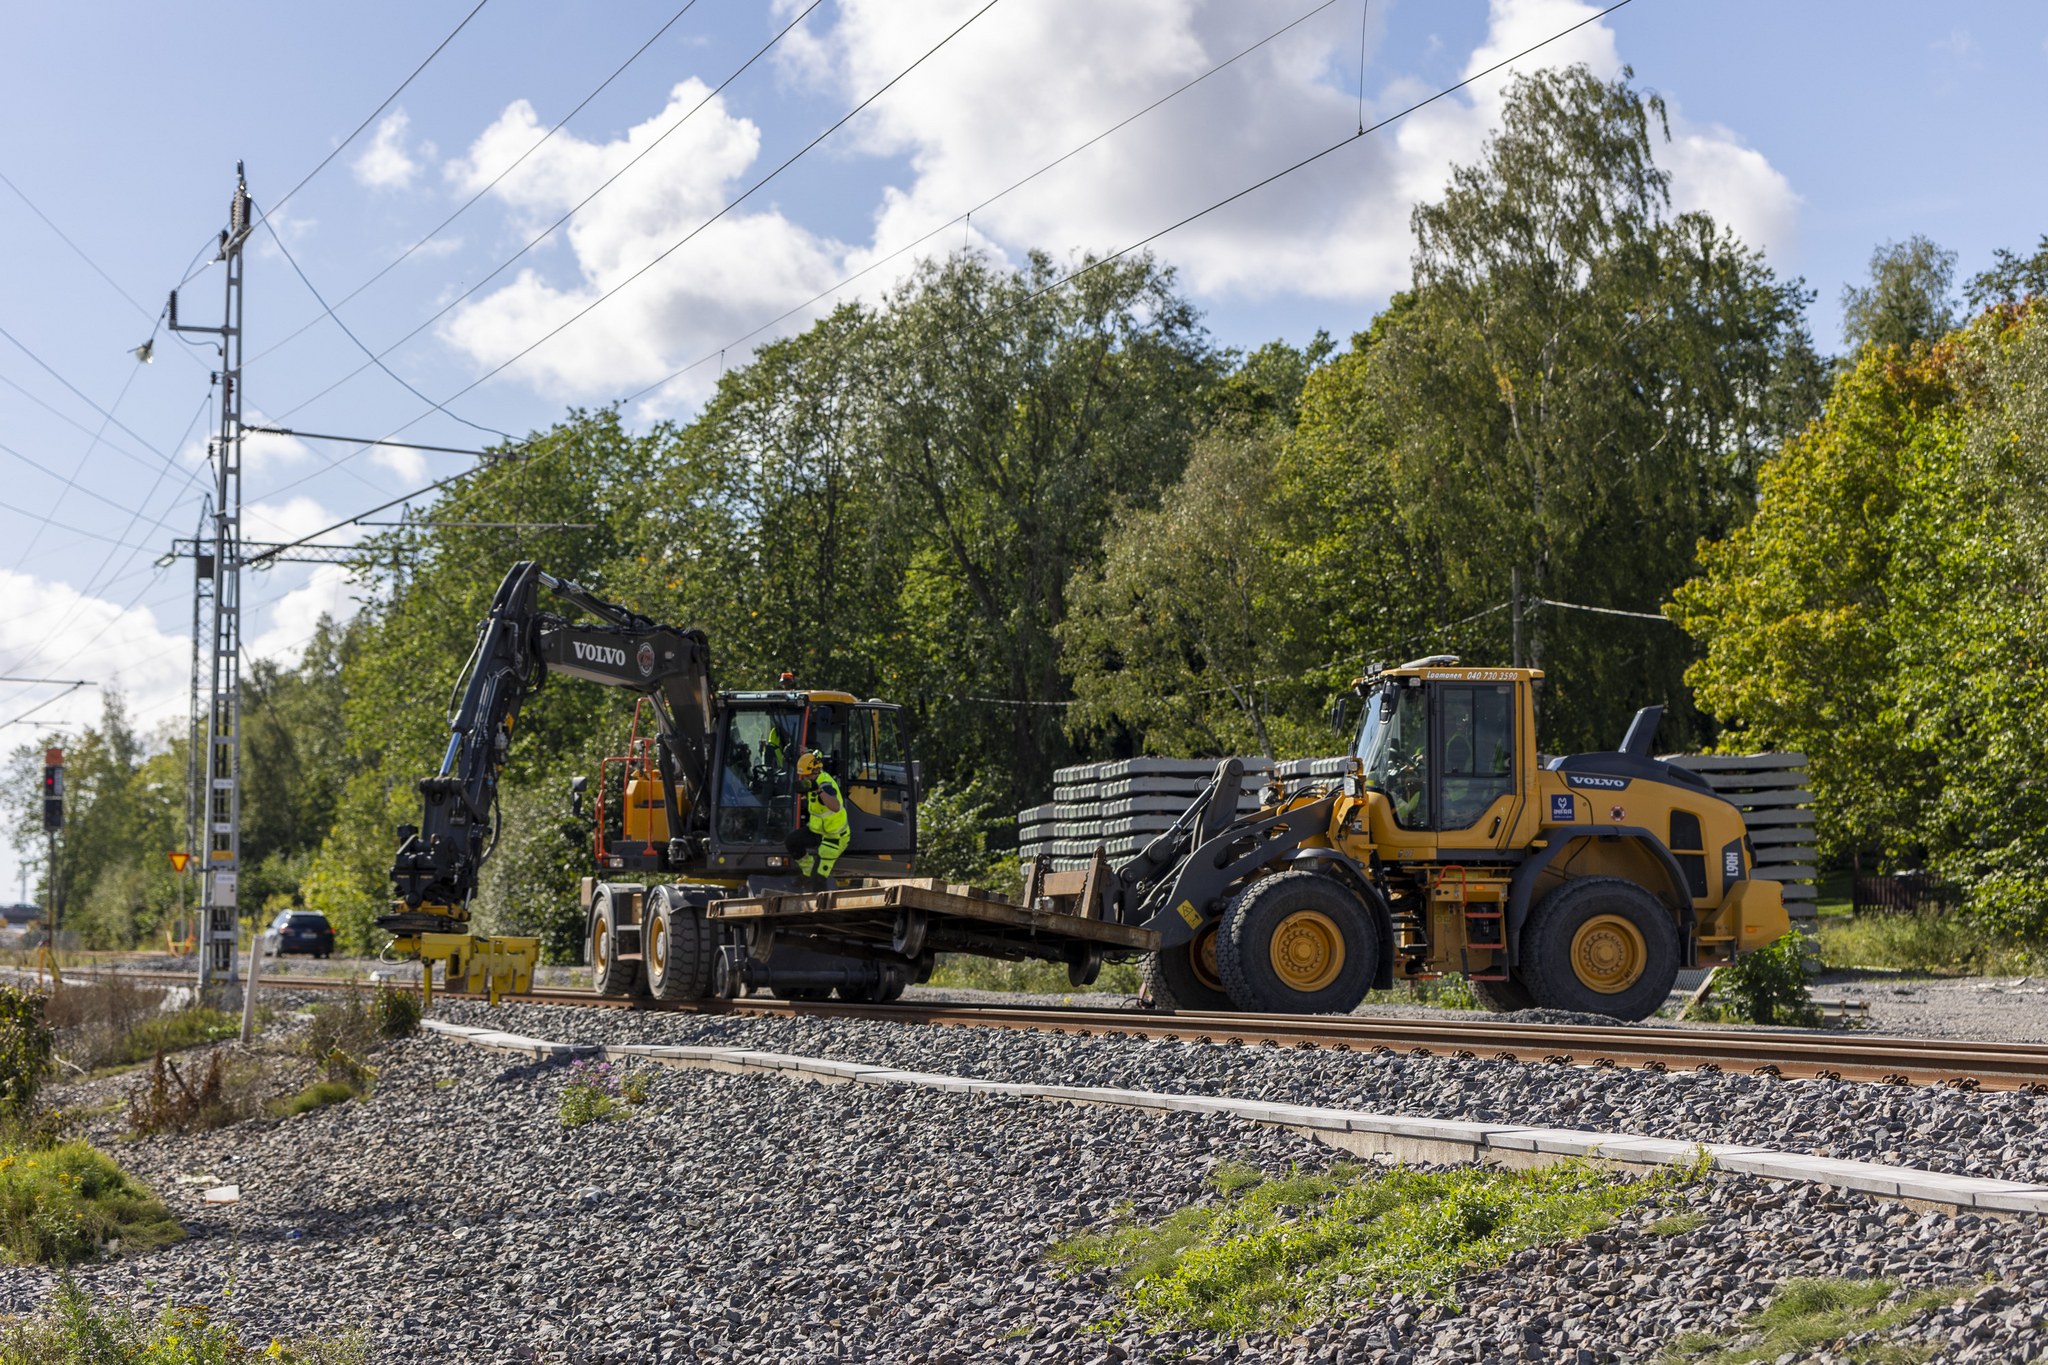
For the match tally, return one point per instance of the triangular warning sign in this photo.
(179, 861)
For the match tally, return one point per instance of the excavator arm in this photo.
(518, 645)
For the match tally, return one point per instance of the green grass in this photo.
(174, 1032)
(1277, 1253)
(72, 1330)
(68, 1202)
(963, 972)
(1809, 1313)
(1675, 1224)
(318, 1095)
(1939, 944)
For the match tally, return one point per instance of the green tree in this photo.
(1580, 386)
(1015, 417)
(2011, 278)
(1907, 301)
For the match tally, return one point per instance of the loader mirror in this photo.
(576, 788)
(1387, 700)
(1340, 712)
(917, 776)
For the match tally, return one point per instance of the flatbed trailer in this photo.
(907, 922)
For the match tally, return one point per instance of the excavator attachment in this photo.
(481, 964)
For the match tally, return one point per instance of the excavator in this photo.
(707, 797)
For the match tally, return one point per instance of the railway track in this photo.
(1789, 1053)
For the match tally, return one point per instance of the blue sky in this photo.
(1816, 129)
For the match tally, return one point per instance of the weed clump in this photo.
(1278, 1252)
(395, 1011)
(593, 1094)
(213, 1096)
(1809, 1313)
(69, 1202)
(27, 1054)
(72, 1328)
(1771, 985)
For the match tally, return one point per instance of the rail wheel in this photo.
(890, 988)
(1601, 945)
(1298, 943)
(681, 946)
(608, 975)
(1502, 997)
(1186, 978)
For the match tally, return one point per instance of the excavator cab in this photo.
(755, 800)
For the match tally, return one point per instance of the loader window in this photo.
(878, 755)
(1394, 746)
(1478, 753)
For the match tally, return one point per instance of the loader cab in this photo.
(755, 797)
(1450, 750)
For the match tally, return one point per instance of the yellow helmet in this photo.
(809, 764)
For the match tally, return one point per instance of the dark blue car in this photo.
(303, 931)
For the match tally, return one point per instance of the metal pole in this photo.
(1515, 580)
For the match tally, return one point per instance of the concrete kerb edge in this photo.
(1393, 1136)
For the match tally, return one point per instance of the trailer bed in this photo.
(940, 916)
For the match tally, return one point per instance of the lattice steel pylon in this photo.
(220, 852)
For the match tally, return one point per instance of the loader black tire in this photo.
(1502, 997)
(1601, 945)
(1298, 943)
(681, 946)
(1185, 978)
(608, 975)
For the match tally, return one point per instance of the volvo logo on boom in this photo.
(599, 654)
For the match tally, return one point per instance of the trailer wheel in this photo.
(1298, 943)
(608, 975)
(681, 946)
(1185, 978)
(1502, 997)
(1601, 945)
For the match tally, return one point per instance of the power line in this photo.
(135, 514)
(376, 360)
(71, 479)
(365, 441)
(549, 230)
(77, 393)
(78, 250)
(470, 202)
(967, 215)
(265, 216)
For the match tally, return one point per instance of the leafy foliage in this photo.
(27, 1053)
(1810, 1312)
(593, 1093)
(1770, 985)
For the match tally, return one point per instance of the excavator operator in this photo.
(815, 845)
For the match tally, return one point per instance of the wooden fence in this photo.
(1118, 807)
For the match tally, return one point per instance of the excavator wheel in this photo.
(1185, 978)
(681, 946)
(1601, 945)
(1502, 997)
(608, 975)
(1298, 943)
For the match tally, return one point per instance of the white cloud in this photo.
(732, 276)
(290, 622)
(1012, 93)
(53, 630)
(386, 164)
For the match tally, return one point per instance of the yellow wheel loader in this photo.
(1584, 883)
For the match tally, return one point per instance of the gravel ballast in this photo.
(754, 1218)
(1997, 1134)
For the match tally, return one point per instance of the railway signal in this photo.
(53, 790)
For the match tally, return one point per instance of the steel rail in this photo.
(1962, 1063)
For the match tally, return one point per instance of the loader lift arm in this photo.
(518, 646)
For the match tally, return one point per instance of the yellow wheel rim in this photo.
(1202, 956)
(1307, 951)
(597, 938)
(659, 948)
(1608, 954)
